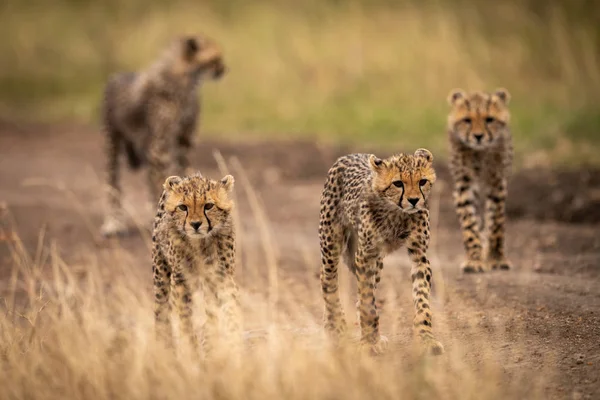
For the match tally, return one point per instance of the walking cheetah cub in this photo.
(369, 208)
(151, 116)
(480, 160)
(193, 244)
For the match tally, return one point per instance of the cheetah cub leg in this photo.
(162, 304)
(222, 330)
(376, 279)
(331, 243)
(182, 291)
(114, 221)
(465, 197)
(210, 336)
(349, 257)
(161, 152)
(495, 218)
(421, 288)
(367, 268)
(231, 310)
(229, 297)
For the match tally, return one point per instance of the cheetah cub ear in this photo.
(502, 95)
(376, 164)
(456, 95)
(171, 182)
(424, 153)
(227, 182)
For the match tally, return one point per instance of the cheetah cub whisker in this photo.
(193, 245)
(371, 207)
(481, 155)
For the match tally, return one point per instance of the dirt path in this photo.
(540, 320)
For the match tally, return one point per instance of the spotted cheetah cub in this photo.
(369, 208)
(193, 244)
(151, 115)
(480, 160)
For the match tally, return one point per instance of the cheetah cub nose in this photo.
(413, 201)
(478, 137)
(195, 225)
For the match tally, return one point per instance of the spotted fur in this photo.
(481, 157)
(151, 116)
(193, 244)
(369, 208)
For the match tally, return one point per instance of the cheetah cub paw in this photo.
(376, 348)
(432, 346)
(502, 264)
(113, 226)
(472, 266)
(381, 346)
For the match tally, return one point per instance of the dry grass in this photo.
(345, 72)
(86, 331)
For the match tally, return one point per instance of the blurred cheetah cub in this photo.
(481, 155)
(193, 244)
(369, 208)
(151, 116)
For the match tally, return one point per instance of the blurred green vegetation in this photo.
(373, 72)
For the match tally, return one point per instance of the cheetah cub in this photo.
(480, 160)
(150, 116)
(369, 208)
(193, 244)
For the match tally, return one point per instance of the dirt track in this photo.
(541, 317)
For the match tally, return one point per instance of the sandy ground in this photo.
(542, 319)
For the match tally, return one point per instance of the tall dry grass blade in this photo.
(434, 212)
(12, 242)
(267, 242)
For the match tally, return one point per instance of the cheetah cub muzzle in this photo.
(193, 246)
(371, 207)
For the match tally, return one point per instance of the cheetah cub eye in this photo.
(182, 207)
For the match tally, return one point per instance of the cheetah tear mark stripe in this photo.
(485, 124)
(208, 220)
(469, 126)
(401, 197)
(185, 220)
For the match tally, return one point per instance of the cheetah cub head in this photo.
(198, 56)
(479, 120)
(404, 179)
(197, 206)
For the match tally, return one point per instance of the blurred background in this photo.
(308, 81)
(356, 71)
